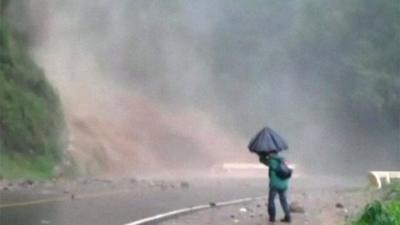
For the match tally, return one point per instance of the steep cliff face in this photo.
(31, 119)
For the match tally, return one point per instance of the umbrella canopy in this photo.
(266, 141)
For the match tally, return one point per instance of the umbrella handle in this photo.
(263, 160)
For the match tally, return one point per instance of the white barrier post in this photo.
(375, 177)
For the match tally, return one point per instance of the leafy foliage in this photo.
(394, 210)
(376, 214)
(30, 114)
(382, 213)
(341, 56)
(355, 44)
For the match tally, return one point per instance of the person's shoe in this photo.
(286, 220)
(272, 220)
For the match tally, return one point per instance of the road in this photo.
(122, 206)
(118, 208)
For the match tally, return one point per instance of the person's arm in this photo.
(263, 160)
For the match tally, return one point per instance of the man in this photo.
(277, 185)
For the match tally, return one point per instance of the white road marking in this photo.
(191, 209)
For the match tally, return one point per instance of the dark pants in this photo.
(271, 202)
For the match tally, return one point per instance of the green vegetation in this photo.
(377, 213)
(31, 119)
(346, 51)
(354, 44)
(386, 212)
(394, 210)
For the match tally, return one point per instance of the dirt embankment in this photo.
(115, 132)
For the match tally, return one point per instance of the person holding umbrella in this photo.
(266, 144)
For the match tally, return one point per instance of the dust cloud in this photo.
(181, 85)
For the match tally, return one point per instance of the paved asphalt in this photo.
(121, 208)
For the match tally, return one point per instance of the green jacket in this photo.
(274, 180)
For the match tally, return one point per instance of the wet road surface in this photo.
(120, 208)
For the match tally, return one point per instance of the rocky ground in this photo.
(320, 207)
(29, 190)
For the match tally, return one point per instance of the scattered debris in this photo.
(295, 207)
(184, 184)
(235, 221)
(243, 210)
(133, 180)
(27, 182)
(339, 205)
(212, 204)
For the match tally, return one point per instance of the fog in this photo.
(156, 85)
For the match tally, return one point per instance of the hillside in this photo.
(143, 93)
(31, 119)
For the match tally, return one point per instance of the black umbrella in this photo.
(266, 141)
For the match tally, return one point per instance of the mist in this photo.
(181, 85)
